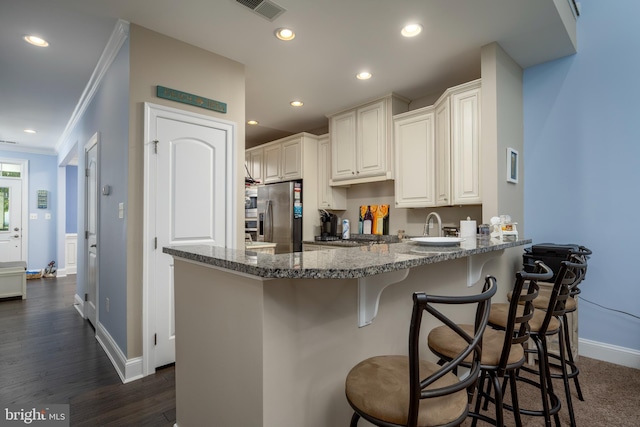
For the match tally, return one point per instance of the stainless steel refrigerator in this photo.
(280, 215)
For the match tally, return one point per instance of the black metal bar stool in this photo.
(579, 255)
(398, 390)
(502, 351)
(543, 325)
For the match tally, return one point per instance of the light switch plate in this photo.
(120, 210)
(47, 215)
(33, 216)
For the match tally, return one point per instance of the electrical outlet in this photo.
(107, 305)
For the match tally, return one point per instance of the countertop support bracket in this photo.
(475, 264)
(369, 290)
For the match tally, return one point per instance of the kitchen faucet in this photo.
(426, 223)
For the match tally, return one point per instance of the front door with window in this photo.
(11, 220)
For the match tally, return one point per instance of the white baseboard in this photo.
(79, 305)
(609, 353)
(128, 369)
(61, 272)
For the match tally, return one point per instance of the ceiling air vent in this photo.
(2, 141)
(265, 8)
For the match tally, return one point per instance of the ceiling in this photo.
(335, 39)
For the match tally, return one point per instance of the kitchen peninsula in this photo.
(267, 340)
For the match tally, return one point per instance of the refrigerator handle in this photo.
(268, 219)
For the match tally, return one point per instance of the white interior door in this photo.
(190, 208)
(11, 219)
(91, 223)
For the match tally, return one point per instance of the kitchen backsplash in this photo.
(409, 220)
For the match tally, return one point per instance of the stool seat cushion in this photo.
(542, 300)
(500, 312)
(379, 387)
(442, 340)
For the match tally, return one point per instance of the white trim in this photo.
(149, 215)
(94, 140)
(609, 353)
(128, 369)
(79, 305)
(117, 39)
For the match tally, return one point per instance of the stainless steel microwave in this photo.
(251, 202)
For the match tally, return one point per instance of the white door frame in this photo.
(24, 176)
(94, 140)
(151, 112)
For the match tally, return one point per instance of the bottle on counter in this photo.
(367, 224)
(346, 232)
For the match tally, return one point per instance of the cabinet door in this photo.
(254, 159)
(371, 145)
(442, 153)
(272, 166)
(465, 147)
(343, 146)
(291, 160)
(415, 160)
(328, 197)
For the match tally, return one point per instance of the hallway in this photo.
(49, 355)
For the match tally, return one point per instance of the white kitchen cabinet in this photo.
(361, 141)
(465, 144)
(438, 151)
(253, 159)
(283, 160)
(415, 158)
(442, 116)
(328, 197)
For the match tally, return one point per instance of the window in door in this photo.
(4, 204)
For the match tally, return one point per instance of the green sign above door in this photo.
(191, 99)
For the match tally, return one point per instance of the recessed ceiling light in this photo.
(30, 131)
(36, 41)
(252, 122)
(411, 30)
(285, 34)
(365, 75)
(297, 103)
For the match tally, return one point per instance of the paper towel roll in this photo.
(468, 228)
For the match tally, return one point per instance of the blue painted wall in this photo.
(582, 163)
(108, 115)
(42, 232)
(71, 223)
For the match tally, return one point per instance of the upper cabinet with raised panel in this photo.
(283, 160)
(361, 141)
(328, 197)
(438, 151)
(253, 159)
(465, 144)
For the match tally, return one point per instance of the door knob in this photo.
(16, 236)
(16, 229)
(92, 246)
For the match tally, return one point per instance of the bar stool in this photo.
(395, 391)
(542, 302)
(502, 351)
(543, 325)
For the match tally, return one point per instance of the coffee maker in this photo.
(329, 225)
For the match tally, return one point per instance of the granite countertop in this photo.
(339, 263)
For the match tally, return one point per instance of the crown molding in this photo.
(117, 39)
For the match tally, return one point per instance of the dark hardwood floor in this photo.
(49, 355)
